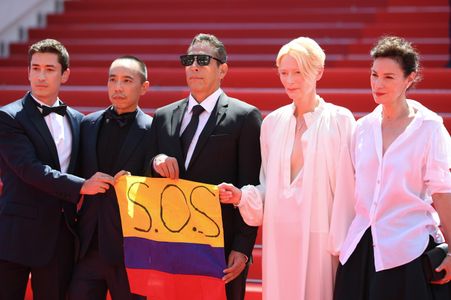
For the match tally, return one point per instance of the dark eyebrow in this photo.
(37, 65)
(127, 76)
(374, 71)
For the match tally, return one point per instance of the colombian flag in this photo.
(173, 238)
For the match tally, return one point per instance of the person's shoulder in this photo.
(144, 118)
(75, 113)
(168, 107)
(92, 116)
(339, 111)
(13, 107)
(240, 104)
(428, 116)
(279, 112)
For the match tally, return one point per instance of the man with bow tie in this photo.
(39, 137)
(112, 140)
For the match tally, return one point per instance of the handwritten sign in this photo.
(173, 237)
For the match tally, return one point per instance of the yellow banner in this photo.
(166, 210)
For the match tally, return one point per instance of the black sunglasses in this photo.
(202, 59)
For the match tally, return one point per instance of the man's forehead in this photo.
(44, 57)
(201, 48)
(127, 65)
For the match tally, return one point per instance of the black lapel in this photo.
(176, 123)
(75, 129)
(38, 121)
(217, 115)
(134, 135)
(91, 140)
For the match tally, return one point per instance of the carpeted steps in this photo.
(158, 31)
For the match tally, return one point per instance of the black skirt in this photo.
(358, 280)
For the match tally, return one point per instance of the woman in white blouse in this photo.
(305, 198)
(402, 157)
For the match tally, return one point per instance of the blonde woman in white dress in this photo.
(305, 197)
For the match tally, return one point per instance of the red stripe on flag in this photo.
(164, 286)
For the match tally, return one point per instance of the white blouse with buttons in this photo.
(393, 190)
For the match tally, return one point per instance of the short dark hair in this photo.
(399, 50)
(50, 46)
(142, 66)
(220, 51)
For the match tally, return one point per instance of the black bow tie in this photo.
(46, 110)
(61, 110)
(121, 120)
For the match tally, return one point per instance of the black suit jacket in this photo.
(228, 150)
(102, 210)
(35, 192)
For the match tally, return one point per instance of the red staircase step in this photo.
(436, 29)
(253, 291)
(255, 271)
(182, 31)
(193, 16)
(419, 3)
(102, 5)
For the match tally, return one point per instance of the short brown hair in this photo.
(50, 46)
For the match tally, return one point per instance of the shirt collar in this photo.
(422, 113)
(311, 116)
(57, 102)
(208, 104)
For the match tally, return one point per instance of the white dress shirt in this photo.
(60, 130)
(208, 104)
(393, 191)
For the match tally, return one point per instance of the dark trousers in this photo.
(93, 277)
(236, 289)
(358, 280)
(49, 282)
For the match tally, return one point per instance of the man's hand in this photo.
(236, 265)
(228, 193)
(166, 166)
(445, 265)
(121, 173)
(98, 183)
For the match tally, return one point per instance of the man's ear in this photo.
(145, 87)
(223, 68)
(65, 76)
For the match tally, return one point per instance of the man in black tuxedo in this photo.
(112, 140)
(38, 148)
(212, 138)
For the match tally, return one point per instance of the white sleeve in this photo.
(343, 199)
(438, 164)
(253, 197)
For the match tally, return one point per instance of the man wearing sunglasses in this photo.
(212, 138)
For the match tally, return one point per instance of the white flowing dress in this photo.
(304, 221)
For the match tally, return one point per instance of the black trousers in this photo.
(93, 277)
(49, 282)
(358, 280)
